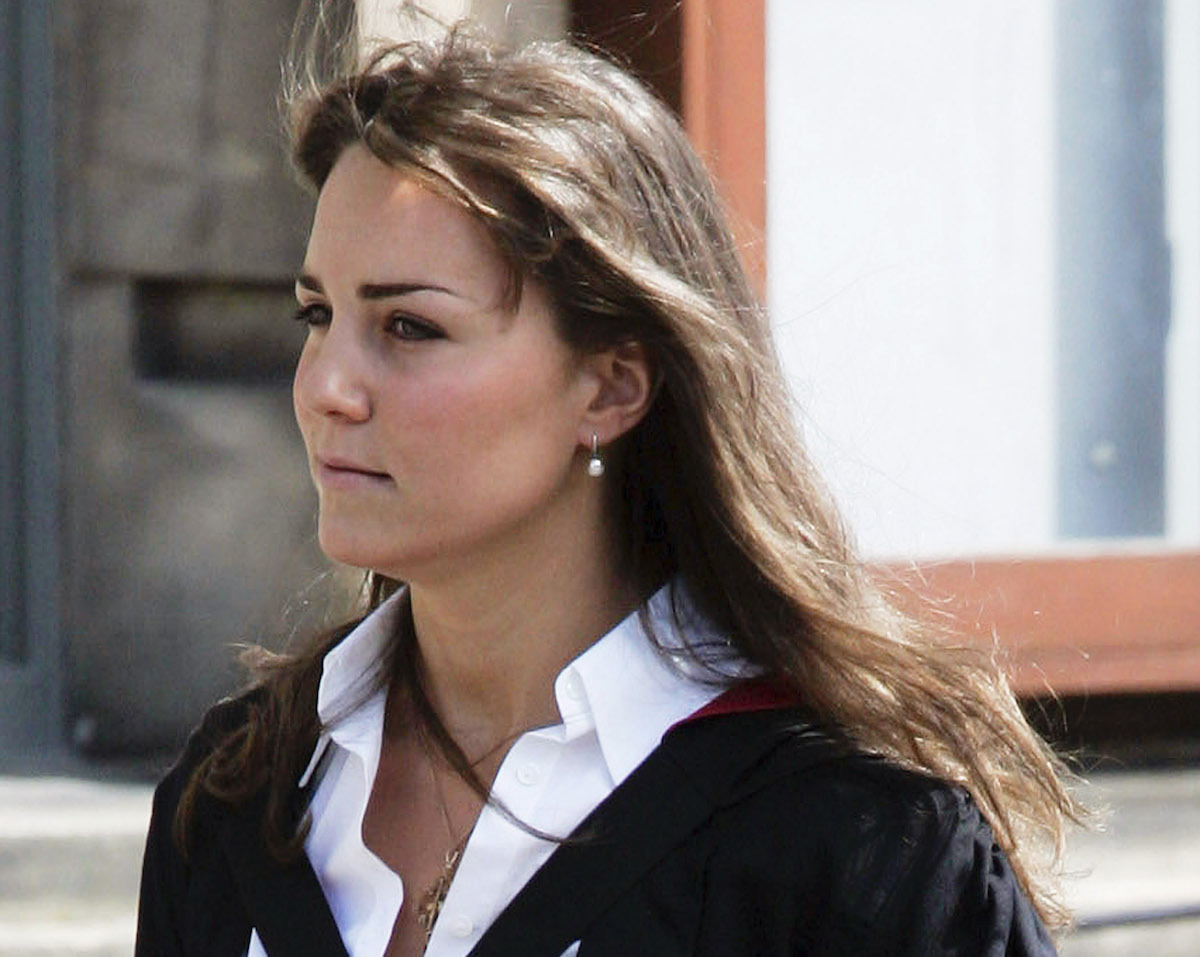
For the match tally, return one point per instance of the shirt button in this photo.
(461, 926)
(528, 774)
(573, 687)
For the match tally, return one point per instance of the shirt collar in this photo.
(350, 697)
(633, 690)
(629, 687)
(351, 669)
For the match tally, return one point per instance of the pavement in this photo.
(70, 860)
(1135, 885)
(70, 852)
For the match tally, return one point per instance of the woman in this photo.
(621, 686)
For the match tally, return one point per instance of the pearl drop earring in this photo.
(595, 466)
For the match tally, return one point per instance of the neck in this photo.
(494, 636)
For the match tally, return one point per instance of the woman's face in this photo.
(438, 421)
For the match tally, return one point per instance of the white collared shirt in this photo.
(616, 701)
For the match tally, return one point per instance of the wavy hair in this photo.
(589, 186)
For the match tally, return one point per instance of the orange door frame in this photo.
(725, 110)
(1064, 625)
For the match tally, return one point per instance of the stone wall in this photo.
(189, 520)
(188, 516)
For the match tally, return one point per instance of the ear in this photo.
(625, 387)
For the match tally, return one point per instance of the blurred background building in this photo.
(976, 223)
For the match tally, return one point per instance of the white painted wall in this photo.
(1182, 29)
(911, 256)
(514, 21)
(910, 243)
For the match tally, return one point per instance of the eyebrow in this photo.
(379, 290)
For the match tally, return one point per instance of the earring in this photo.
(595, 464)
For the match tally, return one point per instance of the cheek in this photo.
(299, 409)
(500, 425)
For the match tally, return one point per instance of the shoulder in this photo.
(874, 857)
(787, 788)
(173, 882)
(223, 719)
(846, 806)
(851, 795)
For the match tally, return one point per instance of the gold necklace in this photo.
(431, 901)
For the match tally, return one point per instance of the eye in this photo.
(407, 327)
(314, 314)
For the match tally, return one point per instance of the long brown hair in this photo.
(589, 186)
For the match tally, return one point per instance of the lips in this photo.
(336, 469)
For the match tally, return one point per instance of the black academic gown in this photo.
(746, 834)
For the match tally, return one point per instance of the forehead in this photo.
(373, 222)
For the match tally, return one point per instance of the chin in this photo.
(357, 551)
(368, 552)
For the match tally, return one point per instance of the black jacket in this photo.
(744, 835)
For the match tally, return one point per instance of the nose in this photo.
(331, 376)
